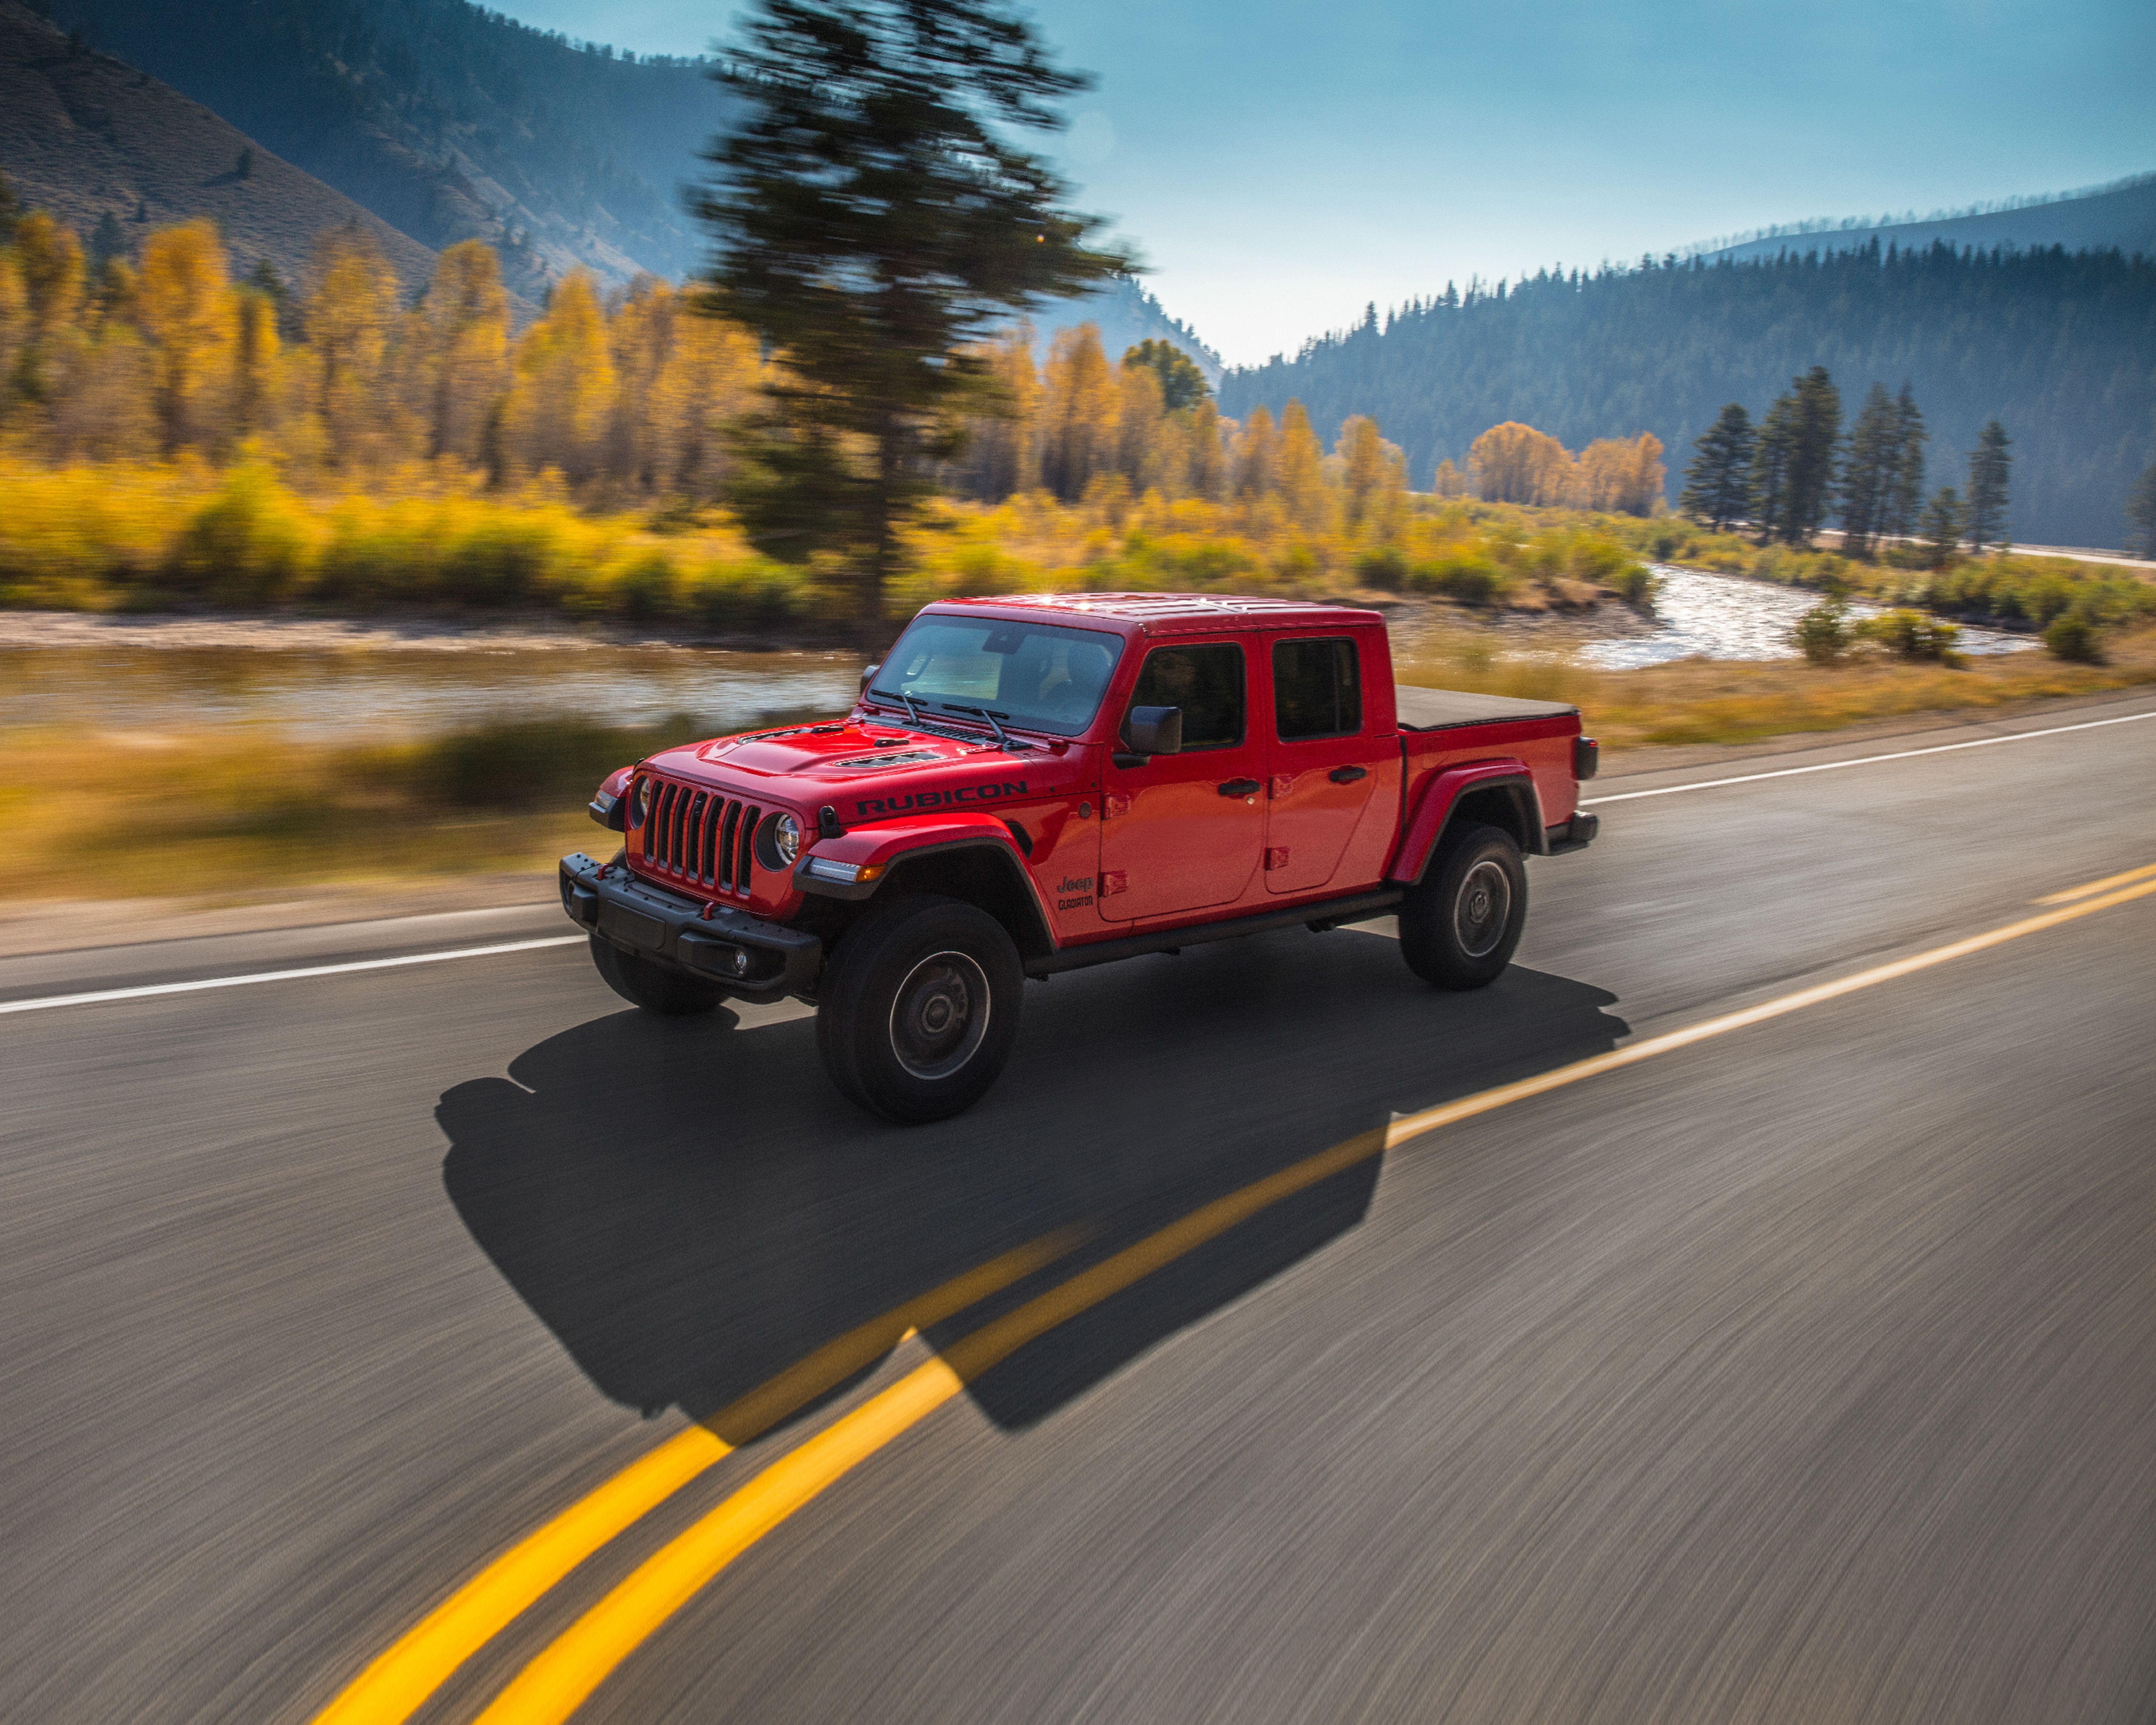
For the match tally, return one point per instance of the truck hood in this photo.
(867, 766)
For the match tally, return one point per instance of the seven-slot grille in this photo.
(700, 837)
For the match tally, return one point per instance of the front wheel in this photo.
(919, 1009)
(1460, 922)
(650, 986)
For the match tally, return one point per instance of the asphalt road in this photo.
(1804, 1372)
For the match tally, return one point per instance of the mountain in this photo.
(88, 137)
(2119, 217)
(447, 121)
(1125, 315)
(2060, 347)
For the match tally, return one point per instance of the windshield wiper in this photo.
(910, 703)
(1003, 737)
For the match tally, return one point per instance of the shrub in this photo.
(1384, 567)
(1822, 634)
(246, 546)
(2075, 639)
(1911, 635)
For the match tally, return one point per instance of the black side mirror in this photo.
(1154, 731)
(868, 675)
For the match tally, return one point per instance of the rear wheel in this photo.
(650, 986)
(919, 1007)
(1460, 922)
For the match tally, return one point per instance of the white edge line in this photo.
(283, 976)
(1708, 784)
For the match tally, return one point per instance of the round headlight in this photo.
(786, 834)
(639, 801)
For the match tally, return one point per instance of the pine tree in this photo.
(873, 222)
(1773, 454)
(1182, 384)
(1718, 481)
(1942, 526)
(1903, 503)
(1869, 471)
(1815, 445)
(2141, 513)
(1986, 511)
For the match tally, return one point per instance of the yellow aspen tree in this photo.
(1205, 462)
(106, 411)
(644, 419)
(1449, 482)
(14, 320)
(1388, 511)
(716, 374)
(557, 414)
(351, 313)
(1622, 474)
(1362, 453)
(50, 258)
(1302, 488)
(1257, 457)
(466, 330)
(1141, 407)
(1078, 429)
(255, 365)
(1002, 452)
(183, 303)
(1512, 463)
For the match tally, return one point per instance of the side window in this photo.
(1317, 689)
(1206, 682)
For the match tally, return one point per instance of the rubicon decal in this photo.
(990, 792)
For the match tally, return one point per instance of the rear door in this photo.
(1322, 763)
(1184, 832)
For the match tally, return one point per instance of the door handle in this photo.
(1240, 787)
(1347, 775)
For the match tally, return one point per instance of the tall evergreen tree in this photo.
(873, 221)
(1814, 452)
(2141, 513)
(1941, 526)
(1717, 487)
(1182, 384)
(1986, 511)
(1903, 504)
(1773, 454)
(1869, 471)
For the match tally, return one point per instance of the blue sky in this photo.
(1281, 163)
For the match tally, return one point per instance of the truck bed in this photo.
(1442, 709)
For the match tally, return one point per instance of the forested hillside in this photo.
(2120, 217)
(447, 121)
(115, 155)
(2060, 348)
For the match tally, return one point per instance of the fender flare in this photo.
(894, 848)
(1440, 797)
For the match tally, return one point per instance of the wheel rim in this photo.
(940, 1014)
(1484, 906)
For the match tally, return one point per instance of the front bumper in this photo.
(752, 959)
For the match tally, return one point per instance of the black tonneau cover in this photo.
(1441, 709)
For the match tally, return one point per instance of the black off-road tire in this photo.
(1460, 922)
(918, 1007)
(650, 986)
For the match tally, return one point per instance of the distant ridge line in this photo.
(1825, 226)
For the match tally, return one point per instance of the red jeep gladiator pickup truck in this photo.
(1030, 785)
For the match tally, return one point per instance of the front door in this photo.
(1322, 768)
(1186, 831)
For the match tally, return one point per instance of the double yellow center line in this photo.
(559, 1678)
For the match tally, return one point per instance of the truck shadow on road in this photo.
(690, 1210)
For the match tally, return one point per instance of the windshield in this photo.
(1030, 674)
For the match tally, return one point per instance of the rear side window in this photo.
(1317, 689)
(1206, 682)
